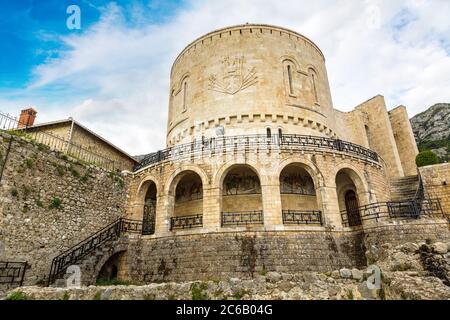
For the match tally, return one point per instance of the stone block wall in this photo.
(404, 138)
(243, 254)
(381, 135)
(436, 181)
(34, 225)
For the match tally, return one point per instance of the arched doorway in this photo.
(348, 197)
(149, 216)
(110, 269)
(298, 196)
(241, 197)
(352, 208)
(188, 207)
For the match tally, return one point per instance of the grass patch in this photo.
(18, 295)
(56, 203)
(97, 296)
(14, 193)
(66, 296)
(74, 171)
(197, 291)
(29, 163)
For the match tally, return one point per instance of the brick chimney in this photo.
(27, 117)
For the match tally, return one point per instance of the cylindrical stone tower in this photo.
(249, 79)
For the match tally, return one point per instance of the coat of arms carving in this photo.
(234, 77)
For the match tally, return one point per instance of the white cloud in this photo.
(125, 69)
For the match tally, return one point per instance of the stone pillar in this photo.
(211, 209)
(164, 210)
(271, 200)
(330, 206)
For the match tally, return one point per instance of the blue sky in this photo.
(113, 74)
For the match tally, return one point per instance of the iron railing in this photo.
(186, 222)
(83, 248)
(13, 126)
(410, 209)
(297, 217)
(221, 145)
(242, 218)
(12, 273)
(148, 227)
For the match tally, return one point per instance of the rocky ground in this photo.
(409, 271)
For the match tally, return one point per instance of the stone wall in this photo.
(247, 254)
(404, 138)
(239, 254)
(49, 203)
(436, 181)
(381, 137)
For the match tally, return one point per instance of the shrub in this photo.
(426, 158)
(18, 295)
(197, 291)
(14, 192)
(74, 171)
(29, 163)
(56, 203)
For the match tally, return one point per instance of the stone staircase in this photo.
(91, 252)
(404, 188)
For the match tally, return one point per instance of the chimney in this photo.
(27, 117)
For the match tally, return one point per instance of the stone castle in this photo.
(260, 173)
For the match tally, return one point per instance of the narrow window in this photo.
(289, 72)
(269, 133)
(314, 86)
(184, 96)
(280, 132)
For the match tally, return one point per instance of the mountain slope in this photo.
(432, 130)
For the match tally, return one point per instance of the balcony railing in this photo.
(411, 209)
(186, 222)
(221, 145)
(12, 273)
(242, 218)
(295, 217)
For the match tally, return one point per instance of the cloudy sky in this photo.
(113, 74)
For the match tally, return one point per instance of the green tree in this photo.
(426, 158)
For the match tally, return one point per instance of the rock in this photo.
(335, 274)
(273, 277)
(357, 274)
(345, 273)
(440, 248)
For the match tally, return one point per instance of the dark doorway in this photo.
(149, 216)
(352, 208)
(109, 271)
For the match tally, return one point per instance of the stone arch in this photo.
(120, 249)
(240, 195)
(290, 59)
(220, 174)
(308, 165)
(175, 176)
(185, 197)
(300, 194)
(352, 193)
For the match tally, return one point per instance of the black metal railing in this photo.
(13, 126)
(12, 273)
(222, 145)
(242, 218)
(186, 222)
(148, 228)
(83, 248)
(297, 217)
(410, 209)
